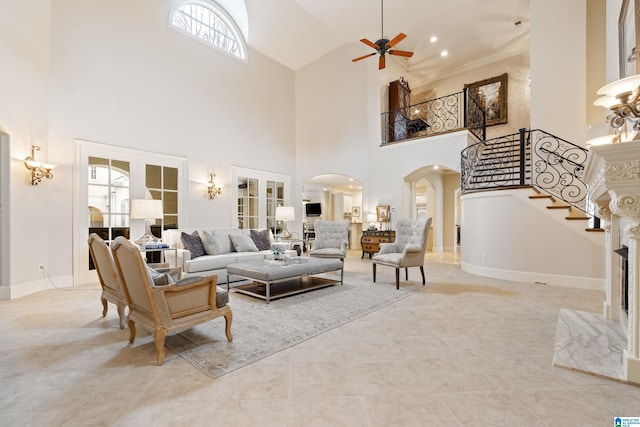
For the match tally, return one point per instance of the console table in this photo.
(370, 240)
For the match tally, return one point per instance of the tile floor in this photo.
(467, 351)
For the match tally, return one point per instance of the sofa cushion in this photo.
(210, 243)
(193, 244)
(262, 239)
(209, 262)
(222, 234)
(243, 243)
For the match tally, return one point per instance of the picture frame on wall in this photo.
(382, 213)
(628, 38)
(355, 212)
(492, 95)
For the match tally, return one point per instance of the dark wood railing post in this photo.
(464, 108)
(522, 156)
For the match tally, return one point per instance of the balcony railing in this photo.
(438, 116)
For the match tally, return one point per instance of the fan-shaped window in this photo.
(209, 23)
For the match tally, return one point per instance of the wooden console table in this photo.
(370, 240)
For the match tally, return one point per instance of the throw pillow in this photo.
(158, 278)
(211, 243)
(193, 244)
(262, 239)
(242, 243)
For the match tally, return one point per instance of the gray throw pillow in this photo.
(211, 243)
(242, 243)
(262, 239)
(158, 278)
(193, 244)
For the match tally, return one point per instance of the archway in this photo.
(432, 193)
(333, 197)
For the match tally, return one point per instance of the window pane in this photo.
(153, 176)
(170, 178)
(170, 202)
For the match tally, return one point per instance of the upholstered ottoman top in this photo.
(270, 271)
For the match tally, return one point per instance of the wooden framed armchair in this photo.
(332, 239)
(112, 290)
(407, 251)
(162, 309)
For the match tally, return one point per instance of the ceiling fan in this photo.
(384, 46)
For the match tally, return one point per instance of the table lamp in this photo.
(284, 214)
(372, 218)
(148, 210)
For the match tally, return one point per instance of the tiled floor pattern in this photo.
(467, 351)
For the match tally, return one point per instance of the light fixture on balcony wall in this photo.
(213, 189)
(622, 97)
(38, 169)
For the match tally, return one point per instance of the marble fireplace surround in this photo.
(609, 345)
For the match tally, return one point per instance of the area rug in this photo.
(261, 329)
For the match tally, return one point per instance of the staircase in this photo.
(550, 166)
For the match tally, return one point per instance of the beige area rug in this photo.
(261, 329)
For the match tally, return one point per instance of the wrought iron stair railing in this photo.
(438, 116)
(527, 158)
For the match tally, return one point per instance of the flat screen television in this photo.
(313, 209)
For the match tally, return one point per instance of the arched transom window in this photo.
(209, 23)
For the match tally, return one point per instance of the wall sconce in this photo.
(622, 97)
(213, 189)
(148, 210)
(38, 169)
(284, 214)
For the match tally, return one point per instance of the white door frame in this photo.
(137, 158)
(5, 169)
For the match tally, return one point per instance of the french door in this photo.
(107, 178)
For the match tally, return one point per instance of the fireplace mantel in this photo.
(613, 178)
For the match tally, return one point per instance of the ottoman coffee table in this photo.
(289, 277)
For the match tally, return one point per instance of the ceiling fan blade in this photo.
(397, 39)
(363, 57)
(381, 62)
(400, 53)
(369, 43)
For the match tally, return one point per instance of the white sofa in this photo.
(210, 264)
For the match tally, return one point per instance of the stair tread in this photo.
(559, 207)
(598, 230)
(570, 218)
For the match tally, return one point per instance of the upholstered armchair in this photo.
(162, 309)
(407, 251)
(332, 239)
(112, 290)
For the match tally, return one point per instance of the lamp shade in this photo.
(146, 209)
(628, 84)
(371, 217)
(285, 213)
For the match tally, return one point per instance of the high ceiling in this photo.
(296, 32)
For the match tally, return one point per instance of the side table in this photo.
(162, 251)
(371, 239)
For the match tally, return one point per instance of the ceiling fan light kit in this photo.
(384, 46)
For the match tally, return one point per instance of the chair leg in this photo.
(406, 274)
(374, 272)
(422, 272)
(228, 318)
(397, 278)
(158, 338)
(132, 330)
(104, 306)
(121, 315)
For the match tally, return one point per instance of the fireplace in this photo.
(613, 177)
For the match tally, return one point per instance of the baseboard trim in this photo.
(28, 288)
(576, 282)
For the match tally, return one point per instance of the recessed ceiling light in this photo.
(350, 179)
(436, 167)
(444, 53)
(433, 39)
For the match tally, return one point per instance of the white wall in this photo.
(24, 110)
(119, 75)
(558, 68)
(506, 235)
